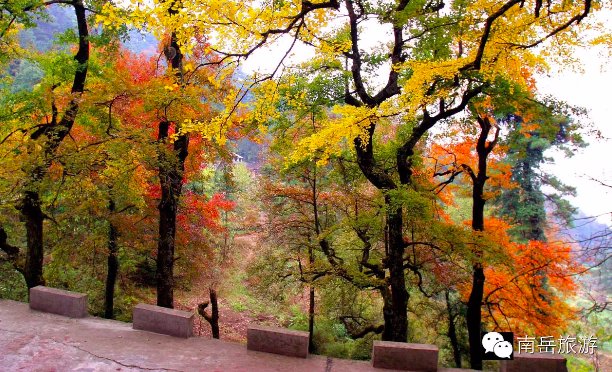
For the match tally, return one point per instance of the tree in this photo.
(453, 160)
(48, 136)
(478, 177)
(471, 159)
(182, 97)
(533, 131)
(296, 221)
(98, 188)
(171, 168)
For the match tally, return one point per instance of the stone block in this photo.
(158, 319)
(277, 341)
(58, 301)
(404, 356)
(534, 362)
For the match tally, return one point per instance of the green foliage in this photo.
(243, 299)
(331, 339)
(525, 205)
(12, 284)
(575, 364)
(298, 320)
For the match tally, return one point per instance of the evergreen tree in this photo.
(526, 205)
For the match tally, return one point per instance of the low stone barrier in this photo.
(404, 356)
(277, 341)
(534, 362)
(158, 319)
(58, 301)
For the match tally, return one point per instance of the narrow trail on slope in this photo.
(234, 318)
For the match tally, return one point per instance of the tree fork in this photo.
(213, 317)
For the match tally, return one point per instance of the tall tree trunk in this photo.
(165, 247)
(311, 303)
(479, 179)
(52, 134)
(112, 265)
(395, 310)
(474, 317)
(452, 331)
(33, 217)
(311, 257)
(396, 323)
(171, 170)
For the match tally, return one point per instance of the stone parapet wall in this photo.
(278, 341)
(385, 354)
(158, 319)
(58, 301)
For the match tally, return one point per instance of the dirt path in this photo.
(233, 319)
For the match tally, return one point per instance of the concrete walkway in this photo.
(35, 341)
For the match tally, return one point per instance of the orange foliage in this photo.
(526, 285)
(458, 156)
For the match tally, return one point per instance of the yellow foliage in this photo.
(237, 27)
(345, 122)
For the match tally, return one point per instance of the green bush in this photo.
(575, 364)
(12, 284)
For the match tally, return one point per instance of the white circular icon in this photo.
(503, 349)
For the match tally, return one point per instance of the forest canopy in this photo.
(381, 178)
